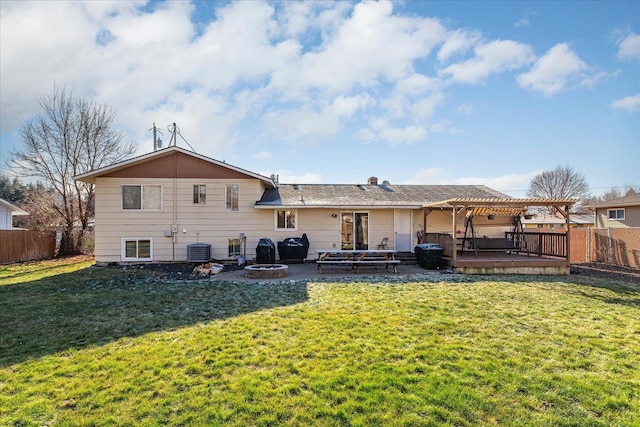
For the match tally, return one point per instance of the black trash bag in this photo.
(429, 255)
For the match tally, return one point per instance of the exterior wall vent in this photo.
(198, 252)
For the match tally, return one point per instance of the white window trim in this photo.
(226, 197)
(200, 202)
(275, 220)
(624, 214)
(142, 209)
(229, 254)
(123, 250)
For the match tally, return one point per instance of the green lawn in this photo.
(87, 346)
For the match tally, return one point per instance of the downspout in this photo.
(174, 228)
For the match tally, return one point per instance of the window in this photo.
(286, 220)
(234, 248)
(615, 214)
(142, 197)
(199, 194)
(232, 197)
(137, 249)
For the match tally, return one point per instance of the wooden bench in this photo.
(357, 259)
(357, 263)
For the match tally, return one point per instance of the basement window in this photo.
(234, 248)
(137, 249)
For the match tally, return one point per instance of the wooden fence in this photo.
(619, 246)
(26, 245)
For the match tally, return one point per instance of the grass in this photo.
(89, 346)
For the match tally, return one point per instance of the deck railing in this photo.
(536, 243)
(549, 244)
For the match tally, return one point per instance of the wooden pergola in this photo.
(514, 207)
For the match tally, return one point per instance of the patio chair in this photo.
(384, 244)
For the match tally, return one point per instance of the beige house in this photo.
(162, 205)
(623, 212)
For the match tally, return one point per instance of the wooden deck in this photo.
(504, 263)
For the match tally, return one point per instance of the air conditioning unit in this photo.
(198, 252)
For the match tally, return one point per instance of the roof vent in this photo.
(372, 181)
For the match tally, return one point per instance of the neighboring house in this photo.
(7, 212)
(623, 212)
(152, 207)
(557, 222)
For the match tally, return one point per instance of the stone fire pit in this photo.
(266, 271)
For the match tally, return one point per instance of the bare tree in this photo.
(71, 137)
(613, 193)
(40, 202)
(561, 183)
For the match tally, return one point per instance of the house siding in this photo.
(6, 219)
(212, 223)
(631, 217)
(209, 223)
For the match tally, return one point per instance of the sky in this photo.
(414, 92)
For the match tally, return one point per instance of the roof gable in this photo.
(178, 165)
(172, 162)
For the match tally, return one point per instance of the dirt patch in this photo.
(609, 272)
(168, 270)
(182, 271)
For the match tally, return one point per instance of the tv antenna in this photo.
(157, 142)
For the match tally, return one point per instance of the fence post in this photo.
(609, 247)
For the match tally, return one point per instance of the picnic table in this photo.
(355, 258)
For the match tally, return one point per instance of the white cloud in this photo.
(458, 42)
(513, 183)
(414, 97)
(308, 122)
(554, 71)
(466, 109)
(381, 130)
(286, 177)
(370, 46)
(491, 58)
(630, 103)
(506, 184)
(425, 107)
(262, 155)
(427, 176)
(629, 47)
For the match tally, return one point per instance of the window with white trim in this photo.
(137, 249)
(615, 214)
(286, 219)
(199, 194)
(142, 197)
(232, 197)
(234, 248)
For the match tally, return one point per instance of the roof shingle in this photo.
(365, 195)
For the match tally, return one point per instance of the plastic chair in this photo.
(384, 243)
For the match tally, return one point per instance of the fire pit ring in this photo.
(266, 271)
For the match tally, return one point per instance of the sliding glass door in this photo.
(355, 230)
